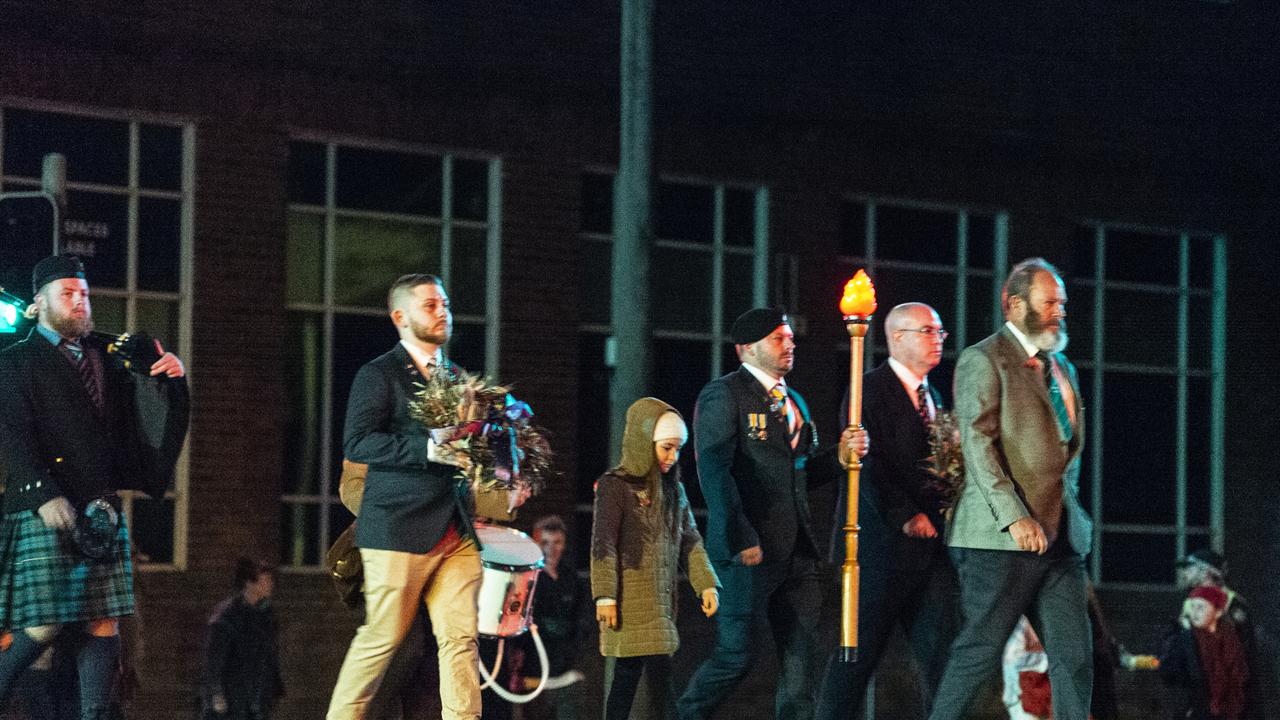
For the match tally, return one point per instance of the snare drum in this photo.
(511, 562)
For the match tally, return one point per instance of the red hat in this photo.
(1212, 595)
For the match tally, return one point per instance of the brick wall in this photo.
(967, 108)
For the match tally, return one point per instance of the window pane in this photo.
(1199, 395)
(739, 275)
(160, 157)
(305, 273)
(299, 534)
(593, 407)
(159, 242)
(982, 240)
(1200, 263)
(389, 181)
(1141, 257)
(894, 287)
(739, 217)
(1138, 458)
(1138, 558)
(470, 189)
(357, 339)
(159, 319)
(853, 229)
(152, 529)
(1141, 327)
(97, 150)
(306, 173)
(1080, 321)
(303, 376)
(597, 203)
(1083, 244)
(686, 212)
(680, 370)
(681, 290)
(467, 346)
(108, 313)
(26, 237)
(96, 228)
(371, 254)
(915, 235)
(979, 309)
(594, 272)
(467, 276)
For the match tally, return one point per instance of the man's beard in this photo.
(424, 333)
(1050, 340)
(71, 327)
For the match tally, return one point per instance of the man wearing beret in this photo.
(757, 453)
(68, 429)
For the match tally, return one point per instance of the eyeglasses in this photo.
(928, 332)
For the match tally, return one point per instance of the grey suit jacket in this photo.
(1017, 463)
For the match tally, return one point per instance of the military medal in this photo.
(756, 426)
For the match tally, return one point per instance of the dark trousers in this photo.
(998, 586)
(913, 587)
(622, 677)
(786, 596)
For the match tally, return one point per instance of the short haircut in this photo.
(1022, 276)
(409, 282)
(550, 523)
(249, 570)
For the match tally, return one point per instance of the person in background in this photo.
(558, 611)
(1206, 659)
(241, 675)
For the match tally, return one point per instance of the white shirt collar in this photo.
(422, 358)
(909, 380)
(1027, 345)
(767, 380)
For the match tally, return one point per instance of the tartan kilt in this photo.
(48, 581)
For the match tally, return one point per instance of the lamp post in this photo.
(856, 305)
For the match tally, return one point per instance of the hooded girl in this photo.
(643, 530)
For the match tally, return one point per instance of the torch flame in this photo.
(859, 296)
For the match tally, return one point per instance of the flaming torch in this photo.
(857, 304)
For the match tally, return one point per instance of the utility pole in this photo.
(630, 348)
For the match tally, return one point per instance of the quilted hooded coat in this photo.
(642, 531)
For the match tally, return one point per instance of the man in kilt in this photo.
(71, 437)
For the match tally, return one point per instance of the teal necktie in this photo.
(1055, 394)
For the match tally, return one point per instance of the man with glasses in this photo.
(907, 579)
(1019, 534)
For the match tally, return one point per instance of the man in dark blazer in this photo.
(757, 453)
(907, 579)
(1019, 534)
(414, 530)
(71, 436)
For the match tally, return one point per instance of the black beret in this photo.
(756, 323)
(55, 267)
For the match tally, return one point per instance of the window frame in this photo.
(325, 498)
(131, 294)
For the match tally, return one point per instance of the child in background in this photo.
(643, 530)
(1206, 658)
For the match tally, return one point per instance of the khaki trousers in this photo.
(447, 579)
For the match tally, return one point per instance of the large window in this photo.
(710, 264)
(1154, 488)
(361, 215)
(1148, 311)
(129, 217)
(948, 256)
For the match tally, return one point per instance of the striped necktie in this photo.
(779, 395)
(922, 400)
(1055, 394)
(86, 371)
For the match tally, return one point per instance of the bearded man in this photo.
(1019, 534)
